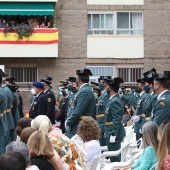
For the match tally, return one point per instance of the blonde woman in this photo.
(42, 123)
(164, 148)
(42, 153)
(150, 144)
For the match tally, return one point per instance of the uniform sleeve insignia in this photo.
(49, 99)
(162, 103)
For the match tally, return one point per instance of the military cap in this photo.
(85, 72)
(12, 87)
(10, 79)
(160, 76)
(105, 77)
(61, 81)
(38, 85)
(96, 89)
(167, 73)
(115, 81)
(140, 81)
(3, 74)
(72, 79)
(47, 80)
(123, 87)
(94, 84)
(150, 72)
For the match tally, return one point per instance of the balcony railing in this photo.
(42, 43)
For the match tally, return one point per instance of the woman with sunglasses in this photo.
(164, 148)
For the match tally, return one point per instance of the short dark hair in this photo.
(165, 83)
(84, 79)
(23, 123)
(13, 161)
(115, 87)
(25, 134)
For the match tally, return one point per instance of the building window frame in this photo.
(125, 31)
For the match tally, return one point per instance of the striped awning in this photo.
(26, 8)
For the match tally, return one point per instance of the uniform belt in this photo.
(99, 116)
(108, 123)
(147, 118)
(84, 117)
(1, 114)
(8, 110)
(143, 115)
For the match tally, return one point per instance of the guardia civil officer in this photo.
(139, 109)
(38, 107)
(114, 130)
(3, 118)
(63, 113)
(50, 99)
(11, 81)
(83, 102)
(161, 111)
(151, 98)
(101, 107)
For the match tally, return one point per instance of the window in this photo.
(98, 71)
(24, 75)
(130, 72)
(129, 23)
(100, 24)
(117, 23)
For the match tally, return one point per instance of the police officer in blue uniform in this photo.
(50, 99)
(101, 107)
(114, 130)
(38, 107)
(161, 111)
(83, 102)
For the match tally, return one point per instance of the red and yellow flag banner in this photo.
(39, 36)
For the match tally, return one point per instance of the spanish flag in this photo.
(39, 36)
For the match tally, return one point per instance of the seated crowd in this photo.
(35, 147)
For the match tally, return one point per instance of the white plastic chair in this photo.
(129, 136)
(122, 150)
(113, 165)
(94, 163)
(103, 148)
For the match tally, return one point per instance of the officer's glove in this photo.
(136, 118)
(112, 139)
(66, 126)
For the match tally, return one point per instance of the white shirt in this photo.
(112, 96)
(141, 93)
(93, 151)
(32, 167)
(159, 96)
(83, 85)
(103, 91)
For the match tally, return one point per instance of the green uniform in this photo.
(8, 113)
(139, 110)
(148, 105)
(3, 127)
(113, 125)
(133, 100)
(71, 97)
(82, 107)
(126, 98)
(161, 111)
(17, 115)
(100, 115)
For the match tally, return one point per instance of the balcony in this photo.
(43, 43)
(115, 46)
(115, 2)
